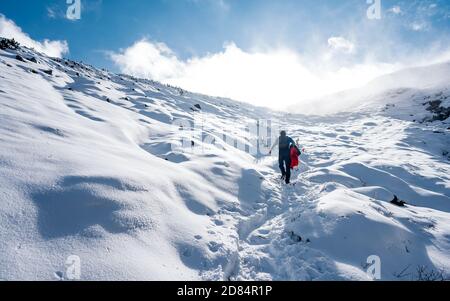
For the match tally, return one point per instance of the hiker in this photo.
(284, 157)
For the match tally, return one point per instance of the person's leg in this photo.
(282, 169)
(288, 170)
(281, 165)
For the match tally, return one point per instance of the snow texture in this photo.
(87, 169)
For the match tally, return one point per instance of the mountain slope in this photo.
(413, 82)
(88, 168)
(84, 171)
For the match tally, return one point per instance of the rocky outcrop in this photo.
(8, 44)
(440, 112)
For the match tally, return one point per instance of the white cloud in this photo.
(146, 59)
(274, 78)
(8, 29)
(223, 5)
(396, 10)
(419, 26)
(341, 44)
(51, 13)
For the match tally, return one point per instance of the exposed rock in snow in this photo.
(19, 58)
(8, 44)
(440, 113)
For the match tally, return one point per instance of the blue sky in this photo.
(329, 34)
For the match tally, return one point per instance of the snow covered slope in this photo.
(389, 88)
(87, 169)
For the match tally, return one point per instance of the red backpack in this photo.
(294, 157)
